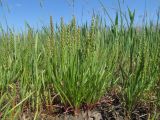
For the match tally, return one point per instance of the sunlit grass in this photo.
(78, 64)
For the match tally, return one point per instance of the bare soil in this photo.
(110, 107)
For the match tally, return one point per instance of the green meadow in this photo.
(75, 65)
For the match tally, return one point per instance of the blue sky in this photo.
(31, 11)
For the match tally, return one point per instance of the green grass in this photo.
(78, 64)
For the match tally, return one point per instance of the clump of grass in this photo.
(74, 73)
(77, 64)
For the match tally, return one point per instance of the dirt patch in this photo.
(110, 107)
